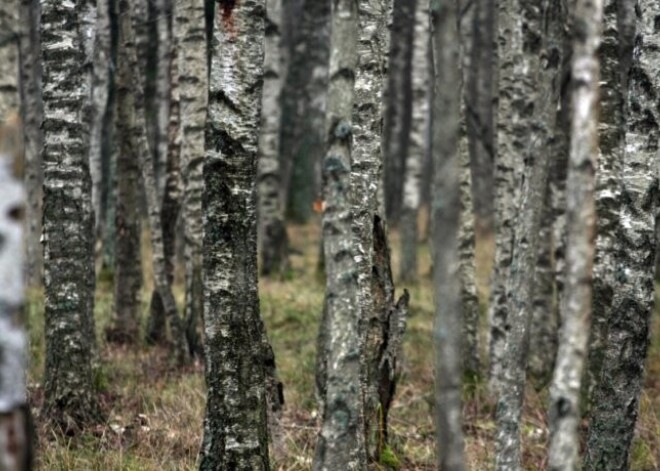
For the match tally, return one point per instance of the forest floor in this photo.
(155, 411)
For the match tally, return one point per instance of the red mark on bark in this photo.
(226, 10)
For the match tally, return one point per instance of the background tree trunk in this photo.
(564, 413)
(235, 427)
(193, 82)
(616, 396)
(445, 220)
(419, 142)
(272, 231)
(15, 427)
(68, 219)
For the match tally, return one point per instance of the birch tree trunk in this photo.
(340, 444)
(521, 283)
(9, 59)
(68, 218)
(15, 427)
(507, 168)
(272, 231)
(193, 85)
(564, 413)
(147, 173)
(419, 142)
(163, 89)
(616, 395)
(398, 100)
(32, 115)
(445, 220)
(608, 195)
(235, 427)
(128, 269)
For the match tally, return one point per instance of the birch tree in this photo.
(617, 392)
(445, 215)
(419, 142)
(32, 115)
(340, 444)
(564, 413)
(128, 269)
(163, 286)
(190, 33)
(15, 427)
(9, 56)
(68, 218)
(235, 426)
(272, 231)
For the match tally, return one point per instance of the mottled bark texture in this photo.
(340, 443)
(608, 196)
(511, 141)
(399, 103)
(616, 395)
(236, 353)
(161, 281)
(193, 85)
(15, 427)
(466, 236)
(302, 144)
(9, 55)
(100, 90)
(445, 221)
(127, 266)
(564, 412)
(31, 116)
(273, 240)
(419, 142)
(542, 43)
(68, 218)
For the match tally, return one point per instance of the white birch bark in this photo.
(340, 443)
(445, 220)
(9, 55)
(236, 353)
(419, 142)
(15, 434)
(617, 392)
(68, 215)
(272, 231)
(190, 34)
(564, 412)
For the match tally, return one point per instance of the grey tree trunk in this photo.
(146, 164)
(68, 218)
(235, 427)
(128, 269)
(193, 85)
(340, 443)
(445, 220)
(304, 95)
(9, 59)
(419, 142)
(540, 49)
(507, 169)
(100, 92)
(32, 115)
(398, 104)
(272, 231)
(15, 427)
(608, 194)
(616, 395)
(163, 89)
(480, 94)
(564, 412)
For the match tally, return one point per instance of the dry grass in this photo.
(155, 413)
